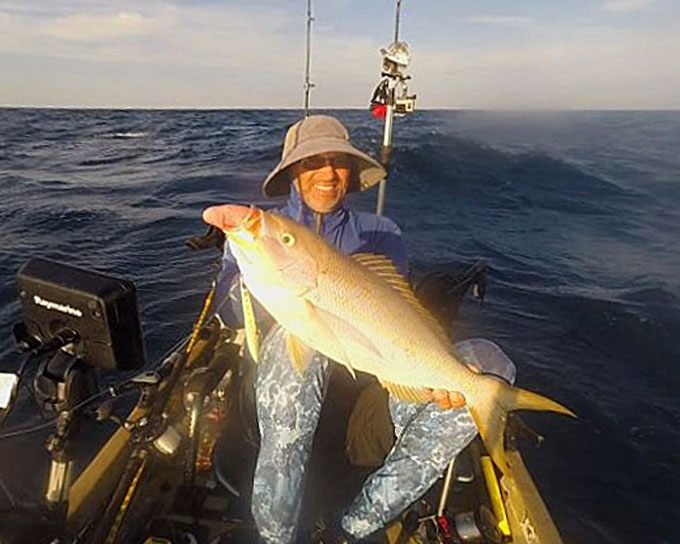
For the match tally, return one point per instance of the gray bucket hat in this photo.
(314, 135)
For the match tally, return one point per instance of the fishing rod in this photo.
(308, 60)
(391, 96)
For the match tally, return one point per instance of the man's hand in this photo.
(448, 400)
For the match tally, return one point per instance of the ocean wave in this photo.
(106, 161)
(578, 232)
(128, 135)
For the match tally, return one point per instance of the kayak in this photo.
(179, 466)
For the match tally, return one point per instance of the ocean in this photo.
(577, 215)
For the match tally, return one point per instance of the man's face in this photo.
(322, 180)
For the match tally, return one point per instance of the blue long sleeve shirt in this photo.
(349, 231)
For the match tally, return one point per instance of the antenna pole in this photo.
(396, 23)
(308, 61)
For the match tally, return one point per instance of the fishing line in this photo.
(28, 430)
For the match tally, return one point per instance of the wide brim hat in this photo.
(314, 135)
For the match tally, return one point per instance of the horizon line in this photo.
(354, 108)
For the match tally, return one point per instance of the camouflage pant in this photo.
(288, 409)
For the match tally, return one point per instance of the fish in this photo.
(360, 312)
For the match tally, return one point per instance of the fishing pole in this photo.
(308, 60)
(391, 96)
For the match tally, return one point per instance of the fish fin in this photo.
(383, 267)
(250, 323)
(419, 395)
(349, 369)
(299, 352)
(490, 405)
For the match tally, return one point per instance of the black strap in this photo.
(213, 238)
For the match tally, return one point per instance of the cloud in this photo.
(159, 33)
(86, 27)
(625, 6)
(597, 68)
(169, 54)
(500, 20)
(118, 53)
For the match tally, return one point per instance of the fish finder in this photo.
(75, 320)
(91, 316)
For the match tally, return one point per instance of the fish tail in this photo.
(490, 411)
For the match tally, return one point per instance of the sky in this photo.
(480, 54)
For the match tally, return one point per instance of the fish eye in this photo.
(288, 239)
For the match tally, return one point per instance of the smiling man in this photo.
(318, 167)
(322, 180)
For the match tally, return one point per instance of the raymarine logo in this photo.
(63, 308)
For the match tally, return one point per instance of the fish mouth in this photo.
(253, 222)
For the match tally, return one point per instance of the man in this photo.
(318, 167)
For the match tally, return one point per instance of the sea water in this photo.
(577, 215)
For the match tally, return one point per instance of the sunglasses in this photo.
(338, 161)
